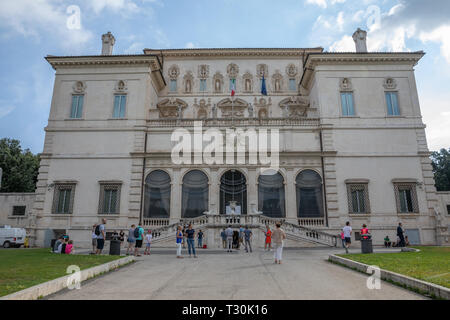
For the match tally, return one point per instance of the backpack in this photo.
(97, 230)
(136, 232)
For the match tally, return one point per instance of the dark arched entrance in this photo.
(233, 187)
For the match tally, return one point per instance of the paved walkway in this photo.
(304, 274)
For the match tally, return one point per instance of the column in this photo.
(175, 196)
(252, 190)
(291, 196)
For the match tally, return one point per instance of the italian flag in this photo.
(233, 87)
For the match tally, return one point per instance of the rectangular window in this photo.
(448, 208)
(76, 111)
(202, 85)
(292, 85)
(358, 198)
(119, 106)
(63, 198)
(109, 202)
(19, 210)
(173, 86)
(406, 198)
(392, 104)
(347, 104)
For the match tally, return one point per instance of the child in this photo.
(69, 247)
(148, 242)
(268, 242)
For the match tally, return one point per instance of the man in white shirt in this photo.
(229, 235)
(347, 235)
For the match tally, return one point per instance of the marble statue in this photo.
(360, 40)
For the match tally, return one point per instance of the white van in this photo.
(12, 237)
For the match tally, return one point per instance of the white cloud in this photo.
(345, 44)
(440, 35)
(324, 3)
(135, 48)
(5, 110)
(32, 18)
(437, 118)
(114, 5)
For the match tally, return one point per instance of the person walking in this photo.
(347, 235)
(224, 238)
(148, 242)
(94, 239)
(278, 237)
(229, 237)
(400, 235)
(342, 239)
(101, 236)
(248, 238)
(131, 240)
(268, 240)
(190, 237)
(179, 241)
(139, 235)
(200, 239)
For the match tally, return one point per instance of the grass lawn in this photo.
(431, 264)
(24, 268)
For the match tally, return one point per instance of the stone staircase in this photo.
(293, 232)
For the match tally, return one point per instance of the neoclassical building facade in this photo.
(351, 143)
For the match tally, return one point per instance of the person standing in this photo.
(121, 237)
(94, 239)
(200, 239)
(342, 239)
(190, 237)
(224, 238)
(179, 241)
(241, 237)
(57, 244)
(101, 236)
(347, 235)
(139, 235)
(131, 240)
(248, 238)
(400, 235)
(184, 236)
(148, 242)
(268, 240)
(278, 237)
(229, 235)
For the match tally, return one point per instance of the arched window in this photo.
(309, 194)
(195, 194)
(157, 195)
(271, 195)
(233, 192)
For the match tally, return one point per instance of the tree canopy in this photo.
(440, 161)
(20, 167)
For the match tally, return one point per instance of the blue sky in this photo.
(32, 29)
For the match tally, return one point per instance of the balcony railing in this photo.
(227, 122)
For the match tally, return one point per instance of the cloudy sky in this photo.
(32, 29)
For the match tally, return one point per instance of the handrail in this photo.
(293, 231)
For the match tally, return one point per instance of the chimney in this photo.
(108, 41)
(360, 40)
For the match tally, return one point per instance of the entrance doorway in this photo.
(233, 193)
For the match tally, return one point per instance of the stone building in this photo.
(351, 144)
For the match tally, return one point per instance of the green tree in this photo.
(441, 168)
(20, 167)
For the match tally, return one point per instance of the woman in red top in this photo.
(268, 242)
(364, 231)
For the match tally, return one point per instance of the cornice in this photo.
(151, 61)
(234, 52)
(336, 58)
